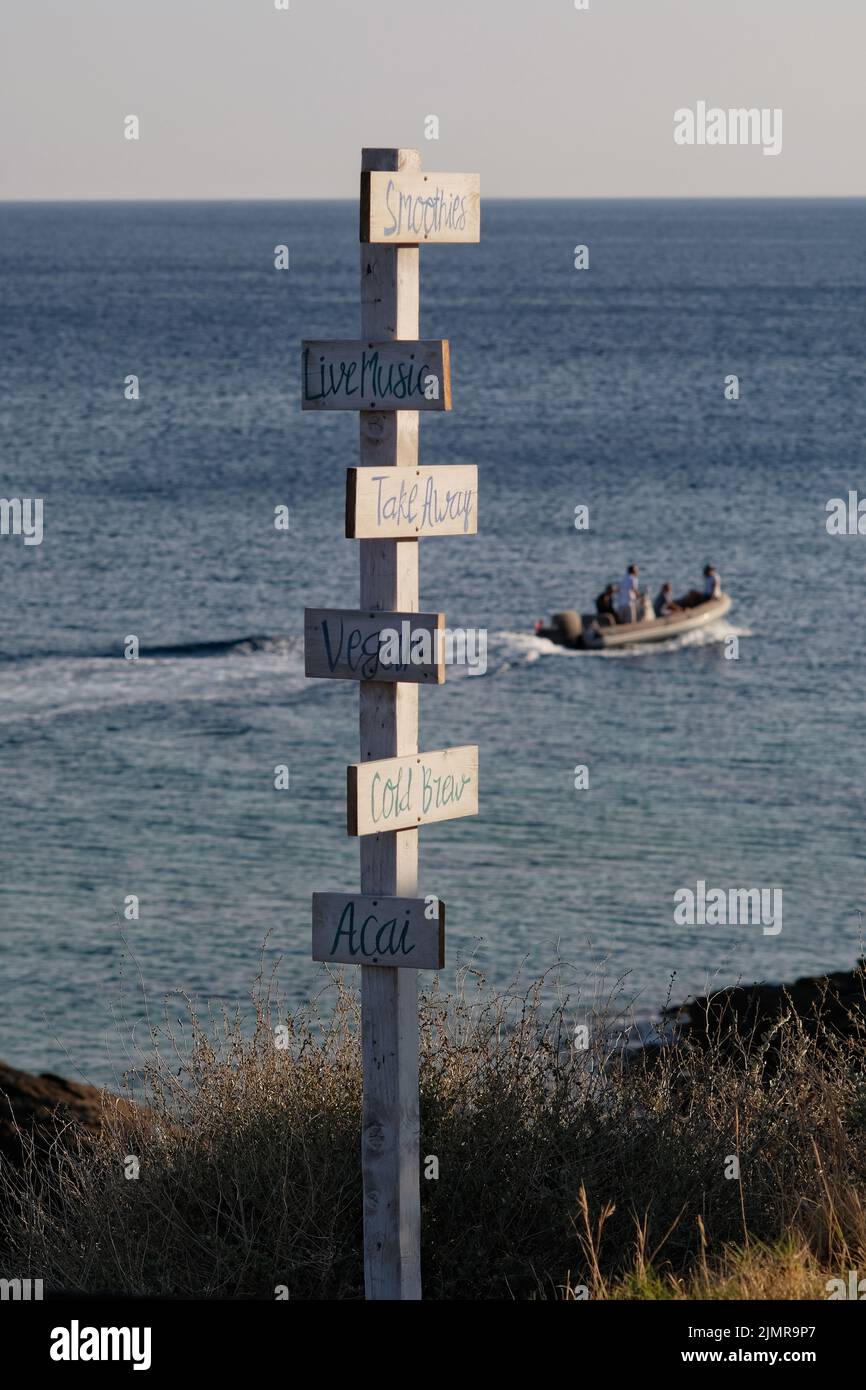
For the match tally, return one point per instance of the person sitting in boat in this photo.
(712, 589)
(712, 583)
(628, 596)
(605, 605)
(664, 604)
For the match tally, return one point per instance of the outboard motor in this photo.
(569, 625)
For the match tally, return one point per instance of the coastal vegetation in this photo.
(728, 1162)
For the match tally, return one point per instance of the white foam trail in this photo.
(38, 690)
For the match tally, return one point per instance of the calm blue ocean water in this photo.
(603, 388)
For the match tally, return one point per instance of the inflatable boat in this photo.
(588, 632)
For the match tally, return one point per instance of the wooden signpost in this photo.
(390, 376)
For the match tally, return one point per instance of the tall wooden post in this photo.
(389, 376)
(389, 861)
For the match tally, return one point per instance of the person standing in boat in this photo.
(628, 596)
(712, 583)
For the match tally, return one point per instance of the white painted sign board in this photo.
(418, 789)
(410, 208)
(402, 503)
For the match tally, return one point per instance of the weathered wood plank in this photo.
(345, 644)
(390, 1158)
(364, 929)
(404, 505)
(420, 789)
(405, 374)
(414, 209)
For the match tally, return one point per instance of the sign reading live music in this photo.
(376, 376)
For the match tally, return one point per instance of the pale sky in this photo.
(237, 99)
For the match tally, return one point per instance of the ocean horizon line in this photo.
(489, 198)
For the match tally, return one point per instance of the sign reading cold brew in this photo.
(418, 789)
(394, 375)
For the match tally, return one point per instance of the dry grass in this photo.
(558, 1168)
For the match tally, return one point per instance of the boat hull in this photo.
(661, 629)
(594, 638)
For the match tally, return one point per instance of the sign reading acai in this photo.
(363, 929)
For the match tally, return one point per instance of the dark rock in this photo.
(48, 1109)
(742, 1016)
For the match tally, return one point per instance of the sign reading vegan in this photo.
(413, 209)
(418, 789)
(342, 644)
(401, 503)
(362, 929)
(395, 375)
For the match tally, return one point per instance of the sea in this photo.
(148, 860)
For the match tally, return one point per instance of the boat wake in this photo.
(175, 651)
(39, 687)
(525, 647)
(239, 646)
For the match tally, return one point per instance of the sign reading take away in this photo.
(394, 375)
(364, 929)
(414, 209)
(401, 503)
(418, 789)
(342, 644)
